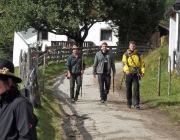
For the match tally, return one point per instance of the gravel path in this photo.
(88, 119)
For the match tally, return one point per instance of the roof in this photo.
(174, 8)
(169, 12)
(163, 26)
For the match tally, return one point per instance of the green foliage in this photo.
(137, 20)
(71, 18)
(6, 52)
(6, 35)
(168, 5)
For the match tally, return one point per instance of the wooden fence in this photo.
(58, 53)
(28, 71)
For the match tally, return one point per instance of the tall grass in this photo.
(166, 103)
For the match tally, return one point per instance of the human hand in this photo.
(82, 71)
(127, 72)
(68, 75)
(142, 74)
(114, 73)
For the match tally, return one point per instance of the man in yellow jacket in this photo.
(134, 69)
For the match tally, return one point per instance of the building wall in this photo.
(22, 39)
(95, 34)
(172, 41)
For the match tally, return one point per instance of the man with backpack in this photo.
(134, 69)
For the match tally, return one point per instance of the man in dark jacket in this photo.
(75, 67)
(17, 120)
(103, 63)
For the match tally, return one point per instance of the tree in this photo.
(72, 18)
(138, 20)
(168, 5)
(6, 35)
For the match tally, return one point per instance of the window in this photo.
(42, 36)
(106, 35)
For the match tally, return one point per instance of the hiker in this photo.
(17, 120)
(75, 67)
(134, 69)
(103, 63)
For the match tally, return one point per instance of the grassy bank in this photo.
(166, 103)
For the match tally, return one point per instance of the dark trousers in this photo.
(104, 84)
(73, 79)
(132, 79)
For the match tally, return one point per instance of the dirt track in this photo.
(88, 119)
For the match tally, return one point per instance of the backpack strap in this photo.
(127, 55)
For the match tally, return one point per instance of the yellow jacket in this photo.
(138, 61)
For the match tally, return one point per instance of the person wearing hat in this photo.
(17, 120)
(103, 64)
(75, 68)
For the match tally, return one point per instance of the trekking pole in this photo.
(113, 83)
(122, 81)
(82, 75)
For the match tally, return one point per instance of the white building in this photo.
(98, 33)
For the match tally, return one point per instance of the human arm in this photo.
(26, 121)
(125, 65)
(68, 67)
(95, 65)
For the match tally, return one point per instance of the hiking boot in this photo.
(76, 97)
(72, 100)
(128, 106)
(105, 97)
(102, 101)
(137, 106)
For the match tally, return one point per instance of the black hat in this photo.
(7, 69)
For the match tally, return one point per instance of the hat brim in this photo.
(75, 48)
(17, 79)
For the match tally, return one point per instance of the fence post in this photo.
(44, 66)
(159, 76)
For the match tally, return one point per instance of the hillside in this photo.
(166, 103)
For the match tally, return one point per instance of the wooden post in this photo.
(82, 74)
(159, 76)
(113, 83)
(44, 66)
(169, 79)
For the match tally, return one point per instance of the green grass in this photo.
(166, 103)
(50, 114)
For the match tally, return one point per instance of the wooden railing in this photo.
(69, 44)
(30, 61)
